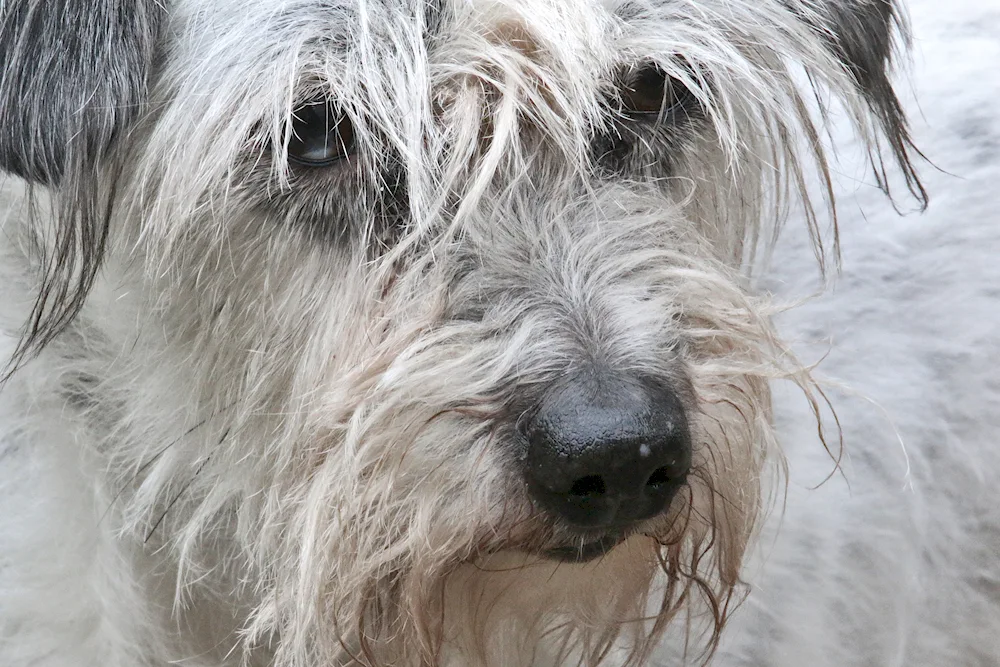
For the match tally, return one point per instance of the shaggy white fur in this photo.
(283, 424)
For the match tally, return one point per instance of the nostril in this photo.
(591, 485)
(659, 477)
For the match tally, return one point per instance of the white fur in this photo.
(261, 445)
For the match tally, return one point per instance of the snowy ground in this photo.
(900, 563)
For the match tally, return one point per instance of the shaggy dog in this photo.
(410, 332)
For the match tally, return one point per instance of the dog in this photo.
(357, 332)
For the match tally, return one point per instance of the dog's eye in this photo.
(322, 134)
(650, 92)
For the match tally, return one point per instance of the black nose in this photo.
(603, 452)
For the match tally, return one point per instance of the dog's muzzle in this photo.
(605, 454)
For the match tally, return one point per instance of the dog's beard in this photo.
(393, 499)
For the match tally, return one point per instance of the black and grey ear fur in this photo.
(862, 35)
(73, 79)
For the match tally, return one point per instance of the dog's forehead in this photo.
(339, 31)
(345, 18)
(382, 59)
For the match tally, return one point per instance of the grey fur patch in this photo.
(861, 35)
(74, 79)
(75, 75)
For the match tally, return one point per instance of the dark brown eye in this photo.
(650, 92)
(322, 134)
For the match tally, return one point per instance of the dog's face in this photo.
(427, 322)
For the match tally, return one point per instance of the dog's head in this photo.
(431, 319)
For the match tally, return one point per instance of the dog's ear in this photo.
(74, 76)
(73, 80)
(863, 34)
